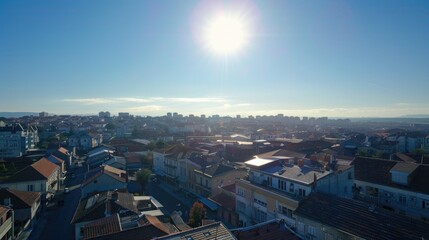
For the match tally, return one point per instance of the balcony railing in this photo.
(5, 227)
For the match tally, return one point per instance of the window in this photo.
(350, 175)
(207, 183)
(30, 187)
(329, 236)
(291, 187)
(270, 181)
(302, 192)
(311, 230)
(260, 216)
(402, 199)
(241, 206)
(282, 185)
(260, 202)
(425, 204)
(285, 211)
(240, 191)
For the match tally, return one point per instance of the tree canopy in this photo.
(143, 176)
(196, 214)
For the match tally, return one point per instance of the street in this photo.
(171, 199)
(55, 221)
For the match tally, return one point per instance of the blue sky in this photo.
(305, 58)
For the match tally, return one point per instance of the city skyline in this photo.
(334, 59)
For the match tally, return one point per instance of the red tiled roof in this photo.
(226, 201)
(230, 188)
(20, 199)
(63, 150)
(158, 224)
(132, 158)
(45, 167)
(40, 170)
(101, 227)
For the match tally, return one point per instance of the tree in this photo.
(143, 176)
(110, 126)
(421, 152)
(147, 160)
(196, 214)
(160, 144)
(151, 146)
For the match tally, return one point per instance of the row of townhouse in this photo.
(120, 215)
(317, 202)
(83, 141)
(194, 170)
(277, 184)
(399, 186)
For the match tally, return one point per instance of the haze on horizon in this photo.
(326, 58)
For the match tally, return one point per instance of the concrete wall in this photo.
(337, 183)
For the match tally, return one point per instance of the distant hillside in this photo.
(416, 116)
(17, 114)
(408, 120)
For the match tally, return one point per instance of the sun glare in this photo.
(226, 34)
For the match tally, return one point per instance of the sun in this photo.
(226, 34)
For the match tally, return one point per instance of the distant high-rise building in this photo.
(169, 114)
(105, 114)
(175, 114)
(123, 114)
(203, 116)
(238, 116)
(43, 114)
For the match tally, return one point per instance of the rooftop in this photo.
(102, 226)
(19, 199)
(377, 171)
(360, 219)
(211, 231)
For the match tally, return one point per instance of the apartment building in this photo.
(395, 185)
(276, 185)
(15, 141)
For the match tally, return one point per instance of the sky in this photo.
(303, 58)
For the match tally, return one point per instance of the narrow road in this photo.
(55, 221)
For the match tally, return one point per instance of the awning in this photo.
(209, 203)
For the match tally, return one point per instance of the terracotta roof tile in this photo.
(40, 170)
(357, 219)
(158, 224)
(20, 199)
(45, 167)
(102, 226)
